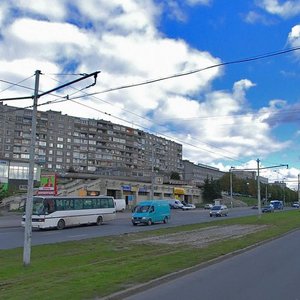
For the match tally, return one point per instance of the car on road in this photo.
(208, 206)
(174, 203)
(268, 208)
(188, 206)
(296, 204)
(218, 211)
(277, 204)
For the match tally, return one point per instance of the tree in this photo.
(175, 175)
(211, 189)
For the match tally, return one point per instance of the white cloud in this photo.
(286, 9)
(254, 17)
(199, 2)
(294, 36)
(52, 9)
(121, 38)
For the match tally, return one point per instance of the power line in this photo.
(12, 84)
(164, 135)
(244, 60)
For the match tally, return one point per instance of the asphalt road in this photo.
(268, 272)
(13, 237)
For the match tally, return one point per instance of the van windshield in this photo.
(142, 208)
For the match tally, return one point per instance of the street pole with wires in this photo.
(258, 189)
(29, 201)
(299, 188)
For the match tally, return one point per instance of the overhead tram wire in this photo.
(12, 84)
(104, 101)
(26, 87)
(81, 90)
(244, 60)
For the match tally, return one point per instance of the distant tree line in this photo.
(212, 189)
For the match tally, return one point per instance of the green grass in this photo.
(98, 267)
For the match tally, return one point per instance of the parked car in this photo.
(218, 211)
(208, 206)
(296, 204)
(268, 208)
(188, 206)
(174, 203)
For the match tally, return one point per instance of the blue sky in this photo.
(225, 116)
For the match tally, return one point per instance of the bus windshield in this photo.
(38, 206)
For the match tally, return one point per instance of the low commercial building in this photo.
(195, 174)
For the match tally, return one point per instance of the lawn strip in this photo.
(100, 266)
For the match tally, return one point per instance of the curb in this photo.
(166, 278)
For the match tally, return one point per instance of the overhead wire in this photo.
(270, 54)
(12, 84)
(244, 60)
(140, 126)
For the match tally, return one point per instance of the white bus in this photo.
(60, 212)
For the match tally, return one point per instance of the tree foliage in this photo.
(248, 187)
(211, 189)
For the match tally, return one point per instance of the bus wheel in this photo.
(61, 224)
(166, 220)
(99, 221)
(149, 222)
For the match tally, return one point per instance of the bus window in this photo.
(78, 204)
(88, 203)
(49, 206)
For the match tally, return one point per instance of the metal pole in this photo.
(299, 188)
(258, 190)
(28, 225)
(231, 199)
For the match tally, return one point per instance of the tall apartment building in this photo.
(65, 143)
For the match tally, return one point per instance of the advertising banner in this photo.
(48, 185)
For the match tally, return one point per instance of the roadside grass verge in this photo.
(98, 267)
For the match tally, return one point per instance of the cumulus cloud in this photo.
(254, 17)
(286, 9)
(199, 2)
(294, 36)
(122, 40)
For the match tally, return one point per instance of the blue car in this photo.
(268, 208)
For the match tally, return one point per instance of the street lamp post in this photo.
(299, 188)
(258, 189)
(231, 198)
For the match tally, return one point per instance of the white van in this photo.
(120, 204)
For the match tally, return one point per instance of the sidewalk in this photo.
(10, 219)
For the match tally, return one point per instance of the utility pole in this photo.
(258, 189)
(299, 188)
(231, 198)
(29, 202)
(28, 225)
